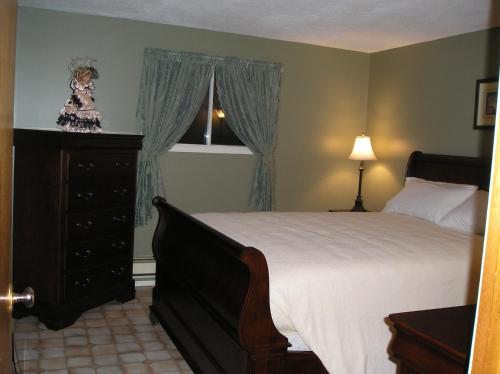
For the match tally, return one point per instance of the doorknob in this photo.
(27, 297)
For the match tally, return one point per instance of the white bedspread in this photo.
(335, 277)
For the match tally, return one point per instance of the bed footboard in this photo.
(212, 297)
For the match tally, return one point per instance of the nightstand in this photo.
(433, 341)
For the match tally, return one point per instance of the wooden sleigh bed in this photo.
(212, 293)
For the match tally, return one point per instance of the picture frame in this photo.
(486, 103)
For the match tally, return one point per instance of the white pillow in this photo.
(470, 216)
(429, 200)
(409, 180)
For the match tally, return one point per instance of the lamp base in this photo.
(358, 206)
(358, 203)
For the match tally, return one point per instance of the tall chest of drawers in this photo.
(73, 220)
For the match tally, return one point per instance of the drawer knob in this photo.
(120, 191)
(84, 253)
(84, 226)
(118, 245)
(122, 218)
(121, 165)
(87, 165)
(83, 283)
(118, 271)
(84, 195)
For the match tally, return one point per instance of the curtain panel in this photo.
(249, 95)
(173, 85)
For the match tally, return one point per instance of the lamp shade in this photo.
(362, 149)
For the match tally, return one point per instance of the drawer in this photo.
(89, 195)
(99, 279)
(86, 226)
(93, 252)
(93, 164)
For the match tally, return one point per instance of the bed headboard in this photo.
(452, 169)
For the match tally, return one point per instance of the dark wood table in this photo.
(433, 341)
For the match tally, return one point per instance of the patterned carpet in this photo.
(112, 339)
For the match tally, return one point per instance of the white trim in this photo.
(144, 271)
(213, 148)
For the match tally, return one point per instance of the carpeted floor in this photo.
(112, 339)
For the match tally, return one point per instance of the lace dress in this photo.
(79, 113)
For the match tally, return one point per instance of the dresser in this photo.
(73, 221)
(433, 341)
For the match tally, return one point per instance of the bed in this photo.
(212, 293)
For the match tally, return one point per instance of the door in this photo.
(486, 349)
(7, 59)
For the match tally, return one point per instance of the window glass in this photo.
(196, 132)
(221, 133)
(210, 130)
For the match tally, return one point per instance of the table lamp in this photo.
(361, 151)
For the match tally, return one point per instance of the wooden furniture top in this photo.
(447, 330)
(61, 139)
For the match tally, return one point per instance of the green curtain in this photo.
(249, 95)
(173, 85)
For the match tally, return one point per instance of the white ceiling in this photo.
(360, 25)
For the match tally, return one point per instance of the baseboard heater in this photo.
(144, 271)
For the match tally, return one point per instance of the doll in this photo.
(79, 114)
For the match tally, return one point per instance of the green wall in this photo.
(421, 97)
(323, 106)
(415, 97)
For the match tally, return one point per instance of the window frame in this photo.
(211, 148)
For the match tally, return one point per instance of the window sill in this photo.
(213, 148)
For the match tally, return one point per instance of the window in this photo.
(209, 131)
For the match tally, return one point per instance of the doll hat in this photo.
(86, 63)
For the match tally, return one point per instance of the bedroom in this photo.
(340, 93)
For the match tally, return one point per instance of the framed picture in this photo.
(486, 103)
